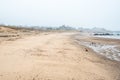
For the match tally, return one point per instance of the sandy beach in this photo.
(55, 56)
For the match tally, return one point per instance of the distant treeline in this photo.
(63, 27)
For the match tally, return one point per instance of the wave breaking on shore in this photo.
(109, 51)
(100, 45)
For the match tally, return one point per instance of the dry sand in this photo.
(53, 56)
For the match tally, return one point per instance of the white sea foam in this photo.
(110, 51)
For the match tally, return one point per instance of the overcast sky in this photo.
(77, 13)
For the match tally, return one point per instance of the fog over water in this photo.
(76, 13)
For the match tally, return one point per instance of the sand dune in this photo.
(7, 30)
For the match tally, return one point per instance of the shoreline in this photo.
(106, 47)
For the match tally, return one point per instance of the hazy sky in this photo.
(77, 13)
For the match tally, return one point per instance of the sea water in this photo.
(114, 36)
(109, 51)
(111, 37)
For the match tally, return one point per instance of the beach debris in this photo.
(86, 49)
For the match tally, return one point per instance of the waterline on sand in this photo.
(109, 51)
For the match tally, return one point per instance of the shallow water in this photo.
(110, 51)
(111, 37)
